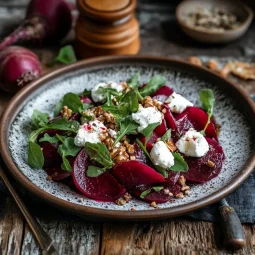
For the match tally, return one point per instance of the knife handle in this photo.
(234, 237)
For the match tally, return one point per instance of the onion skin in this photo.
(49, 20)
(19, 66)
(56, 15)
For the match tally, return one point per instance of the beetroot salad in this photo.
(124, 140)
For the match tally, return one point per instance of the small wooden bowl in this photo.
(243, 12)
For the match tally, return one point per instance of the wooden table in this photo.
(160, 36)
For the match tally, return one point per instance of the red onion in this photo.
(45, 19)
(18, 67)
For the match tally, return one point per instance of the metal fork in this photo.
(43, 239)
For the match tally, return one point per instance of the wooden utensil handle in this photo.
(41, 236)
(232, 227)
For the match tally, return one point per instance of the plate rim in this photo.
(105, 214)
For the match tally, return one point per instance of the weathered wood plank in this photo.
(11, 226)
(70, 236)
(182, 237)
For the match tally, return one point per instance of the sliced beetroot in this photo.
(86, 100)
(134, 173)
(161, 129)
(171, 124)
(196, 118)
(150, 142)
(101, 188)
(153, 196)
(172, 177)
(51, 155)
(75, 116)
(56, 173)
(162, 93)
(139, 154)
(199, 171)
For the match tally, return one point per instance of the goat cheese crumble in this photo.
(89, 132)
(192, 144)
(177, 103)
(146, 116)
(100, 97)
(161, 156)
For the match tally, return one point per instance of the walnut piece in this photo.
(195, 61)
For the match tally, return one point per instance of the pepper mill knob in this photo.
(106, 27)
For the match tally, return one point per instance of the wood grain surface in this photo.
(159, 36)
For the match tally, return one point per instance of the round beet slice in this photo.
(101, 188)
(196, 118)
(162, 94)
(134, 173)
(199, 171)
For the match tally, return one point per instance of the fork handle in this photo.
(43, 239)
(233, 231)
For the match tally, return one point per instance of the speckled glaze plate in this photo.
(234, 111)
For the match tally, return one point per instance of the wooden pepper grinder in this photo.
(106, 27)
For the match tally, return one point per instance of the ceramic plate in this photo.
(234, 111)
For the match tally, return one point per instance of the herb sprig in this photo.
(153, 85)
(208, 102)
(99, 153)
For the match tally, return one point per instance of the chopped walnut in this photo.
(120, 201)
(127, 197)
(80, 199)
(213, 65)
(179, 195)
(154, 204)
(147, 102)
(132, 157)
(195, 61)
(210, 164)
(187, 192)
(184, 188)
(49, 178)
(132, 209)
(243, 70)
(66, 112)
(225, 70)
(164, 110)
(170, 145)
(182, 180)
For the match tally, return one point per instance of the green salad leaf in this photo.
(179, 163)
(147, 132)
(130, 99)
(166, 136)
(50, 139)
(66, 165)
(39, 119)
(127, 126)
(66, 56)
(134, 81)
(99, 153)
(35, 156)
(208, 102)
(153, 85)
(61, 124)
(94, 171)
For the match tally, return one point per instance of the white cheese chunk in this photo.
(177, 103)
(89, 132)
(193, 144)
(161, 156)
(99, 97)
(146, 116)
